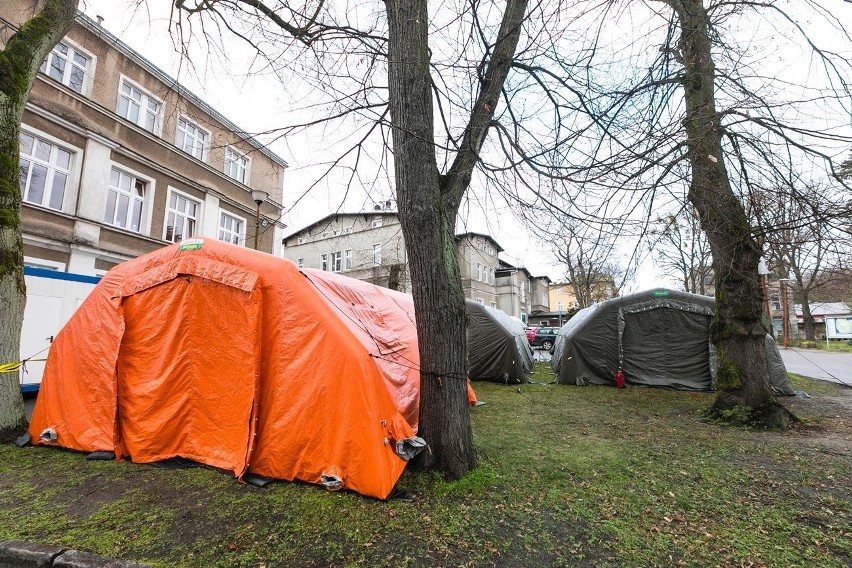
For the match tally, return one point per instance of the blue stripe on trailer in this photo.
(29, 388)
(56, 275)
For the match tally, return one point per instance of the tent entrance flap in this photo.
(179, 396)
(664, 346)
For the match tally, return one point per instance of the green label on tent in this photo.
(191, 244)
(660, 293)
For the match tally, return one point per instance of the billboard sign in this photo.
(838, 327)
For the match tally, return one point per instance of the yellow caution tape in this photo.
(12, 367)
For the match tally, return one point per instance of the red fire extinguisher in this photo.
(619, 379)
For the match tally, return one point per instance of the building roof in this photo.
(497, 246)
(822, 309)
(506, 267)
(101, 31)
(333, 216)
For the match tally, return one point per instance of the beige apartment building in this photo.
(118, 159)
(370, 246)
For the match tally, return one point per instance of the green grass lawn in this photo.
(568, 476)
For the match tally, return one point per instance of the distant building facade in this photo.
(370, 246)
(117, 159)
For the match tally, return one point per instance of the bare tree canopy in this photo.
(804, 239)
(681, 248)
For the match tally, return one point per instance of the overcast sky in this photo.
(257, 103)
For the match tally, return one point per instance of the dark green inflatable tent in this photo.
(658, 338)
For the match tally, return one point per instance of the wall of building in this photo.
(81, 226)
(354, 234)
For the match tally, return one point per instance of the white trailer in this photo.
(52, 298)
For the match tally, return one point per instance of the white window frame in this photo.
(146, 96)
(234, 162)
(201, 147)
(300, 262)
(481, 301)
(377, 221)
(44, 264)
(239, 234)
(347, 230)
(523, 291)
(300, 241)
(336, 261)
(494, 305)
(132, 199)
(377, 254)
(52, 170)
(199, 215)
(560, 306)
(88, 72)
(492, 275)
(324, 262)
(478, 272)
(347, 259)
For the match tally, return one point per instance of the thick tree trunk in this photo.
(428, 223)
(428, 205)
(808, 318)
(736, 330)
(19, 63)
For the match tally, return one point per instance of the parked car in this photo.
(542, 337)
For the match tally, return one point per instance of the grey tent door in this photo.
(666, 347)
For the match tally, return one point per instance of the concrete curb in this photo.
(20, 554)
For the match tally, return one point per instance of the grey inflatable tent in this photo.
(498, 348)
(659, 338)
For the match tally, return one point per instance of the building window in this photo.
(192, 139)
(67, 65)
(478, 272)
(347, 260)
(139, 107)
(236, 165)
(125, 201)
(377, 221)
(494, 305)
(377, 254)
(347, 230)
(560, 307)
(300, 240)
(523, 291)
(336, 261)
(300, 262)
(230, 228)
(524, 318)
(481, 301)
(324, 263)
(775, 299)
(181, 217)
(43, 172)
(491, 275)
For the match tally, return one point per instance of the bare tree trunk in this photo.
(428, 222)
(808, 317)
(428, 205)
(19, 63)
(736, 330)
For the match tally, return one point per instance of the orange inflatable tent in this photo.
(242, 361)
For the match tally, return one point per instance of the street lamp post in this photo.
(259, 197)
(785, 315)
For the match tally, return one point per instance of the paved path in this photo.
(835, 367)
